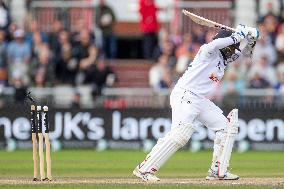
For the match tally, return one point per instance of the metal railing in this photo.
(62, 96)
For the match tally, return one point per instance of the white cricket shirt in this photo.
(207, 68)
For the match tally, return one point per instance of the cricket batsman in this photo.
(190, 105)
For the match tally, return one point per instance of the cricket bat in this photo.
(206, 22)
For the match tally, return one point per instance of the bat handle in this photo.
(232, 29)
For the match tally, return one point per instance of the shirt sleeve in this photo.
(220, 43)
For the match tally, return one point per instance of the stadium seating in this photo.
(131, 73)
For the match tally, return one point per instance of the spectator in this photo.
(264, 47)
(280, 43)
(265, 70)
(166, 47)
(176, 37)
(81, 48)
(33, 29)
(270, 22)
(149, 26)
(270, 12)
(85, 55)
(240, 68)
(53, 35)
(87, 64)
(65, 64)
(231, 84)
(185, 53)
(5, 19)
(258, 82)
(105, 20)
(101, 76)
(42, 68)
(36, 45)
(209, 36)
(166, 80)
(76, 102)
(20, 88)
(188, 47)
(232, 87)
(76, 29)
(157, 71)
(19, 53)
(199, 34)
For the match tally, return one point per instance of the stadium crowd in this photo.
(32, 57)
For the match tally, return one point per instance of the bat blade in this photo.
(206, 22)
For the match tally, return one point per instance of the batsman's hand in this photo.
(241, 32)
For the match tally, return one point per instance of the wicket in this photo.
(39, 118)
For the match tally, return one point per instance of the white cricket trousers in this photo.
(187, 110)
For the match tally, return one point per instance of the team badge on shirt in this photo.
(214, 78)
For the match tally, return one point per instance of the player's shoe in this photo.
(147, 177)
(213, 175)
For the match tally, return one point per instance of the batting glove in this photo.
(241, 32)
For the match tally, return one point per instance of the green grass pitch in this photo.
(113, 169)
